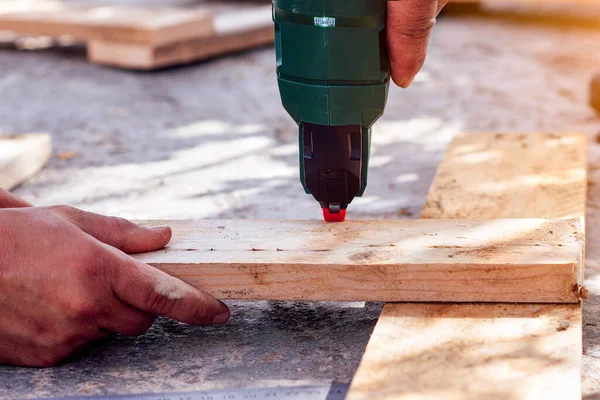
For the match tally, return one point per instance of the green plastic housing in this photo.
(332, 64)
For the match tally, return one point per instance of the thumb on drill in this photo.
(409, 25)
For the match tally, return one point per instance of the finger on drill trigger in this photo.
(155, 292)
(9, 200)
(409, 25)
(117, 232)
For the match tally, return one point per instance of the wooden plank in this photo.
(472, 351)
(475, 351)
(585, 14)
(510, 176)
(22, 156)
(234, 31)
(148, 26)
(418, 260)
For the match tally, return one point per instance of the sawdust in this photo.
(563, 325)
(170, 287)
(371, 256)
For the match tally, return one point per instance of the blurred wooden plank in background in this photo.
(232, 31)
(144, 37)
(22, 156)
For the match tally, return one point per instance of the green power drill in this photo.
(333, 73)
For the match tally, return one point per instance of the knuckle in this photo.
(84, 311)
(418, 30)
(48, 220)
(203, 314)
(122, 229)
(93, 264)
(67, 209)
(63, 210)
(160, 304)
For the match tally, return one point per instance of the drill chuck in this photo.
(333, 75)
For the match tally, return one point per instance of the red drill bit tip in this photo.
(329, 217)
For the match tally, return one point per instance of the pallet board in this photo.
(144, 38)
(22, 156)
(510, 176)
(498, 351)
(233, 31)
(403, 260)
(151, 27)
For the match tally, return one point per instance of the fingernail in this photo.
(407, 83)
(221, 319)
(159, 228)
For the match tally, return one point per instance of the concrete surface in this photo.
(211, 140)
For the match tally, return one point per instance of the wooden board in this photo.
(254, 30)
(584, 14)
(485, 351)
(144, 38)
(472, 351)
(21, 157)
(233, 31)
(510, 176)
(404, 260)
(152, 27)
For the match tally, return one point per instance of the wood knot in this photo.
(581, 291)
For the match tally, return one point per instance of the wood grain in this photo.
(472, 351)
(22, 156)
(410, 260)
(487, 351)
(510, 176)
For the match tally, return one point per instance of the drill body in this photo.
(333, 74)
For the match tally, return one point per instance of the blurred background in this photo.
(193, 127)
(210, 139)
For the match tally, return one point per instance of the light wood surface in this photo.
(233, 31)
(22, 156)
(472, 351)
(144, 38)
(132, 56)
(487, 351)
(510, 176)
(404, 260)
(150, 26)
